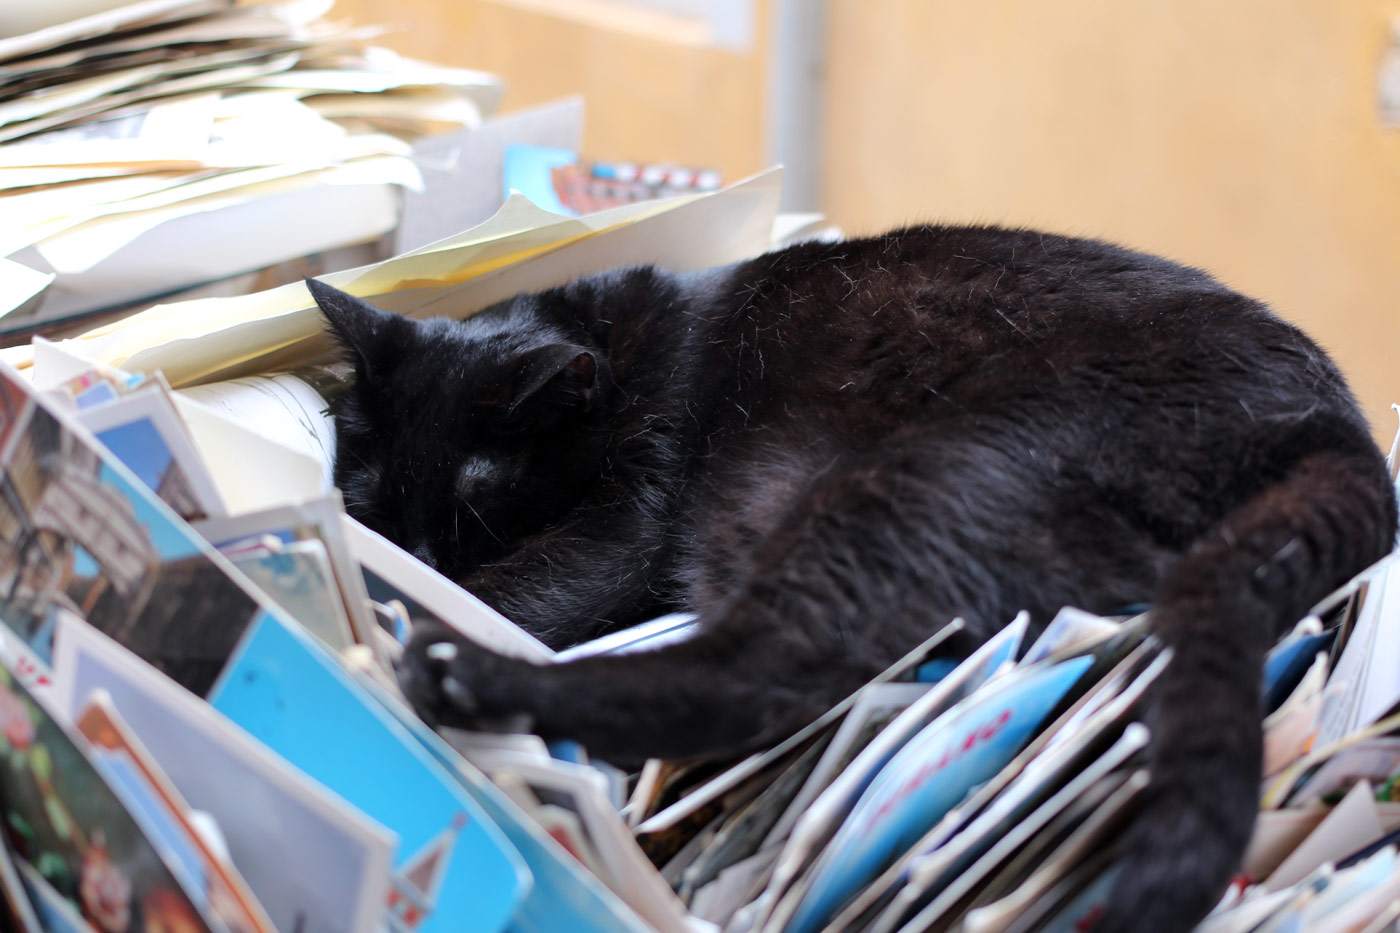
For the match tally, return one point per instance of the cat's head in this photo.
(458, 439)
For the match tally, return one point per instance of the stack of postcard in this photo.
(161, 114)
(201, 728)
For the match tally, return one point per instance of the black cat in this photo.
(830, 451)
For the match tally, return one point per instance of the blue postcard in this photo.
(928, 777)
(565, 897)
(454, 870)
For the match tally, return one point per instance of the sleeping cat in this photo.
(831, 450)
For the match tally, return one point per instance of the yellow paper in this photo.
(520, 249)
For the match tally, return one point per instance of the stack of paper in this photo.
(129, 120)
(521, 248)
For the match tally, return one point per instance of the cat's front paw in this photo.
(452, 682)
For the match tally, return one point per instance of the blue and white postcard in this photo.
(454, 869)
(565, 898)
(930, 775)
(145, 433)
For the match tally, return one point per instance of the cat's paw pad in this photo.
(451, 682)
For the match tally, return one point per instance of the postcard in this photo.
(876, 708)
(648, 636)
(719, 901)
(143, 431)
(320, 519)
(297, 576)
(54, 912)
(1108, 700)
(1071, 630)
(564, 897)
(79, 532)
(1291, 658)
(329, 870)
(581, 790)
(124, 760)
(16, 898)
(809, 830)
(928, 776)
(1084, 828)
(1357, 896)
(1290, 730)
(453, 868)
(743, 831)
(65, 821)
(1083, 898)
(16, 399)
(944, 878)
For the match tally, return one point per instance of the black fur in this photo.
(831, 450)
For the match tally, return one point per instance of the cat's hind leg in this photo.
(1220, 608)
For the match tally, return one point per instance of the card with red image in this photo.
(84, 854)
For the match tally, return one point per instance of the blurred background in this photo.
(1254, 138)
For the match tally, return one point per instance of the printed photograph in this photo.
(140, 445)
(67, 825)
(75, 534)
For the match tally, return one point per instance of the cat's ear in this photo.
(555, 379)
(366, 332)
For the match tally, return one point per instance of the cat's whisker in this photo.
(483, 523)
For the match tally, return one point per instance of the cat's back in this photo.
(986, 282)
(948, 315)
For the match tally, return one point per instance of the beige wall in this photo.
(652, 93)
(1240, 136)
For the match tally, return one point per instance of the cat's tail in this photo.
(1220, 609)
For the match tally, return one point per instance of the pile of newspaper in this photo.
(201, 730)
(130, 119)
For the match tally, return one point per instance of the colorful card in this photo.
(453, 870)
(1290, 659)
(928, 777)
(17, 904)
(316, 864)
(669, 629)
(722, 783)
(143, 431)
(62, 818)
(319, 520)
(79, 532)
(564, 897)
(124, 761)
(297, 576)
